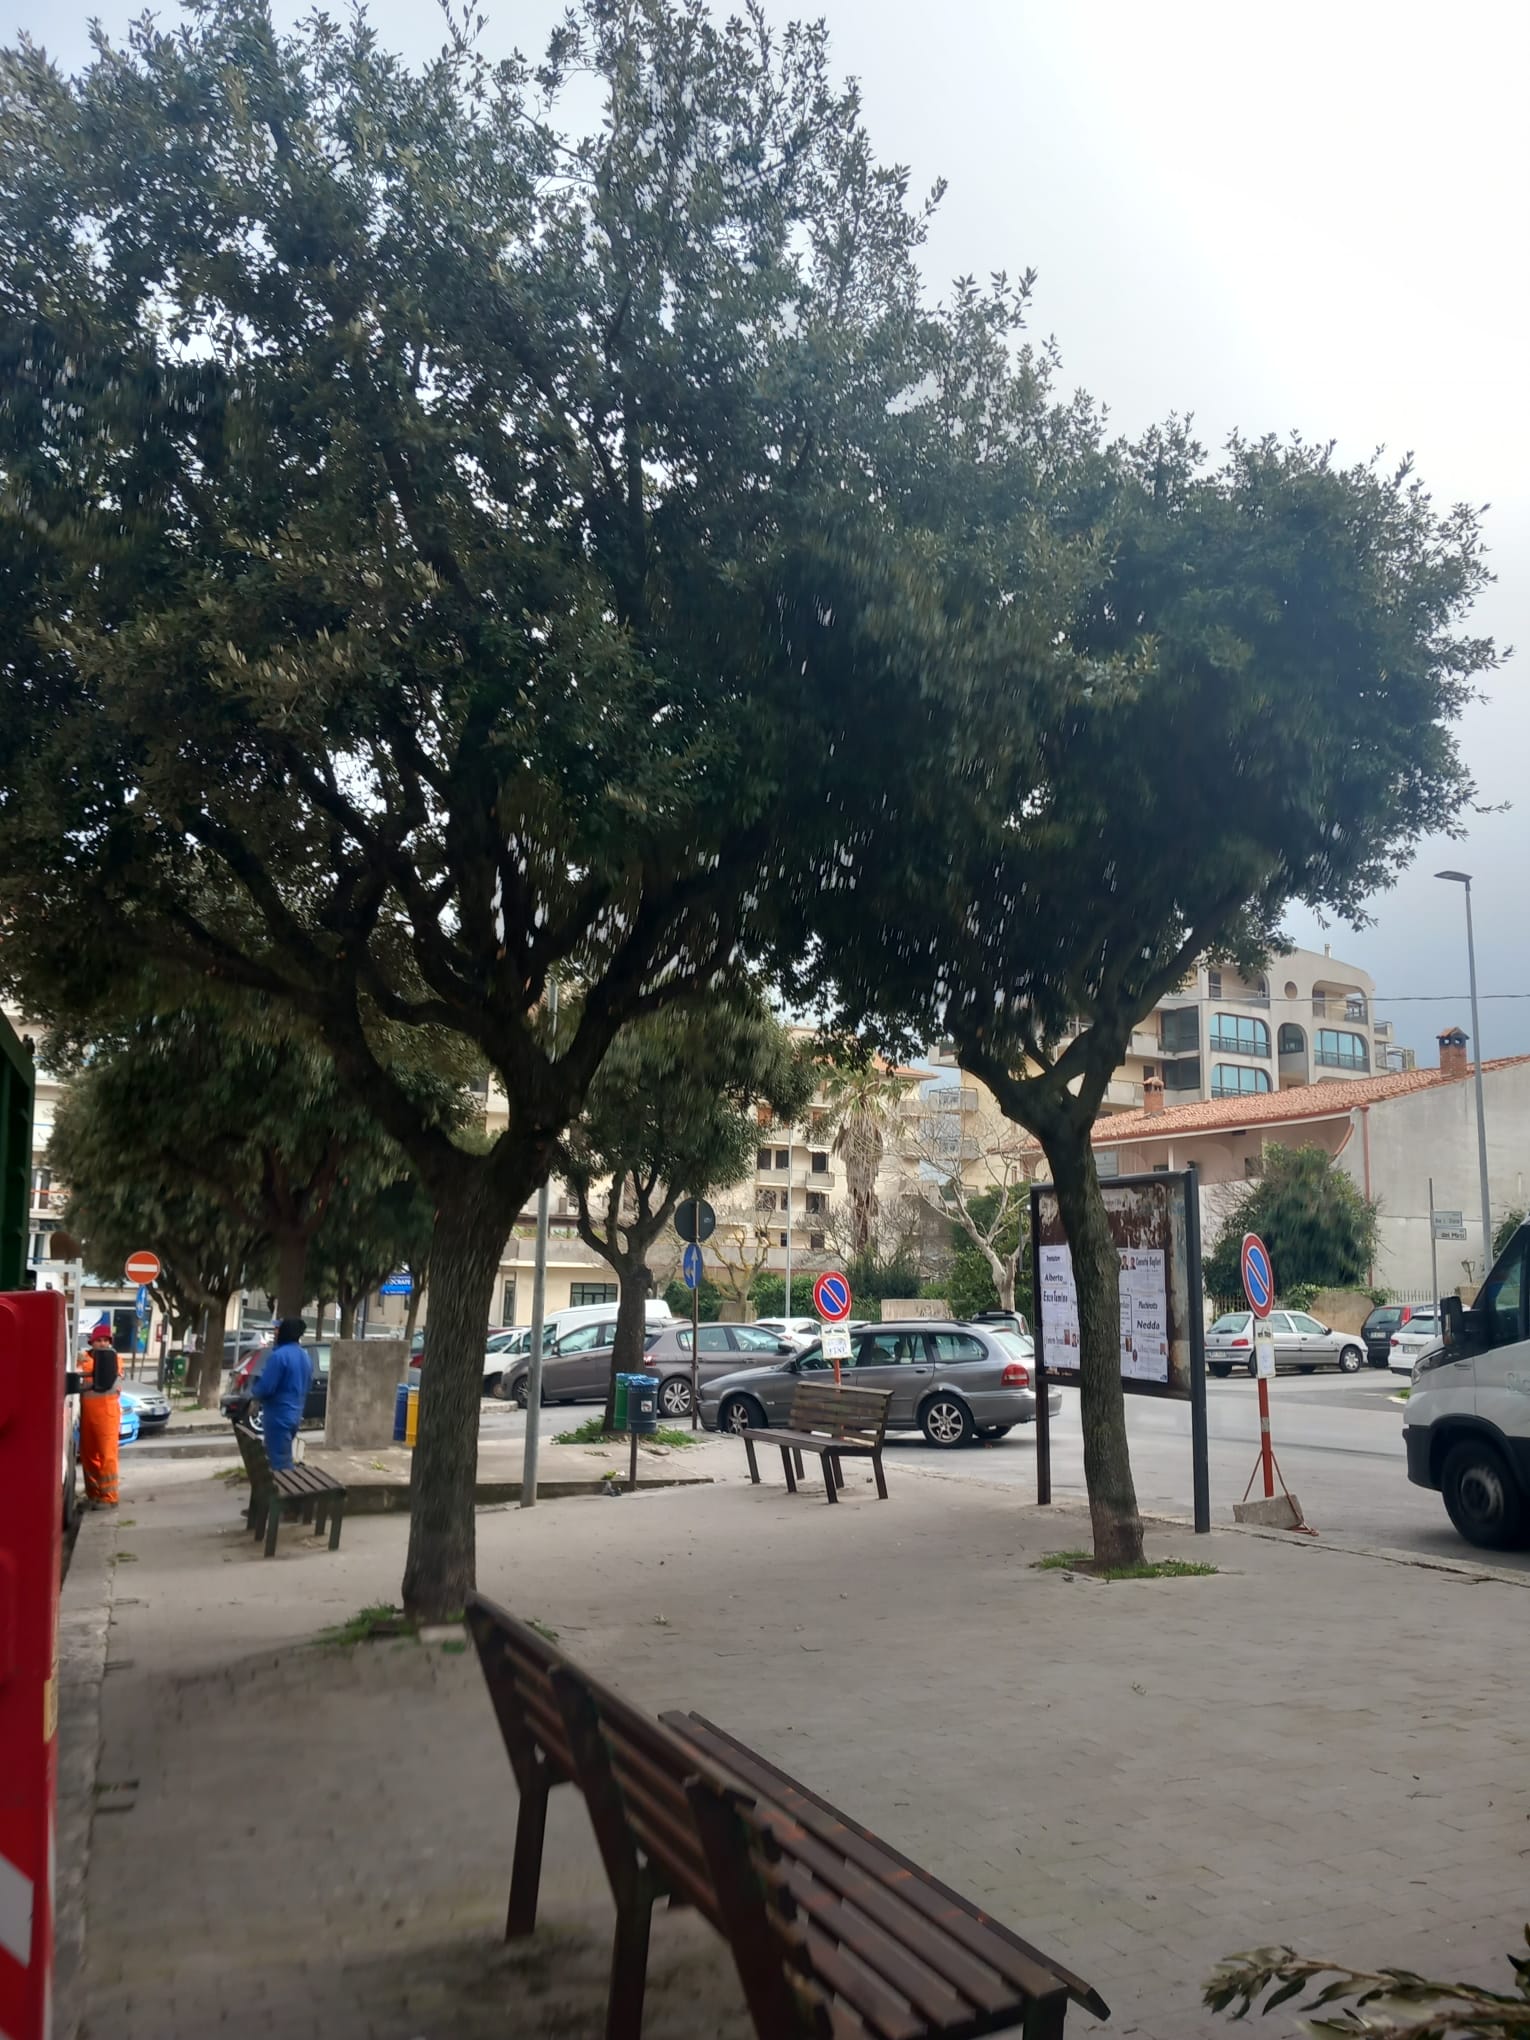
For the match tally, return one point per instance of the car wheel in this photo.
(1221, 1369)
(254, 1419)
(1482, 1497)
(520, 1394)
(1253, 1368)
(675, 1396)
(988, 1432)
(947, 1422)
(1349, 1360)
(739, 1412)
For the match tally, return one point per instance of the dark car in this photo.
(1379, 1327)
(721, 1349)
(241, 1407)
(575, 1368)
(954, 1381)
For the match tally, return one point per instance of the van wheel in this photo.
(1482, 1497)
(1221, 1369)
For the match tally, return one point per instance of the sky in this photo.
(1298, 216)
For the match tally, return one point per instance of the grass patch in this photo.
(124, 1558)
(1149, 1569)
(592, 1432)
(229, 1474)
(371, 1625)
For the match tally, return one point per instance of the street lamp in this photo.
(1464, 878)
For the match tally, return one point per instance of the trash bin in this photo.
(642, 1404)
(401, 1413)
(412, 1417)
(619, 1413)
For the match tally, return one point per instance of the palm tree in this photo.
(862, 1101)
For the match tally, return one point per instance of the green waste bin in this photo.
(619, 1415)
(642, 1404)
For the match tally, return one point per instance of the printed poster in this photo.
(1144, 1313)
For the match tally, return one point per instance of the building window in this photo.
(1253, 1168)
(1292, 1041)
(507, 1315)
(763, 1115)
(1214, 983)
(783, 1158)
(1179, 1029)
(591, 1292)
(1107, 1162)
(1239, 1034)
(815, 1242)
(1228, 1080)
(767, 1200)
(784, 1241)
(1338, 1051)
(815, 1203)
(762, 1159)
(1184, 1075)
(820, 1163)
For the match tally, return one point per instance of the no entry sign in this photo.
(142, 1267)
(1258, 1276)
(831, 1297)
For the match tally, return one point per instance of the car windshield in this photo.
(1013, 1343)
(1233, 1321)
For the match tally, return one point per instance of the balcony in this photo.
(1350, 1006)
(1143, 1043)
(1122, 1094)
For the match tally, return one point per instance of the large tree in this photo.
(672, 1113)
(1232, 685)
(408, 491)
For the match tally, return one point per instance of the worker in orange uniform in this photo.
(100, 1422)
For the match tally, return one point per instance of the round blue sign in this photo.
(1258, 1275)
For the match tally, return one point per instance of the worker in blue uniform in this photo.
(282, 1392)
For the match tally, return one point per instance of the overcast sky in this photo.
(1273, 216)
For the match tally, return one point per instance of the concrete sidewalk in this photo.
(1313, 1746)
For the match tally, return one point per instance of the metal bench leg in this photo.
(876, 1467)
(786, 1468)
(320, 1515)
(336, 1518)
(828, 1476)
(797, 1462)
(526, 1868)
(754, 1464)
(629, 1970)
(273, 1522)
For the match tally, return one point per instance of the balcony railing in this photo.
(1123, 1093)
(1351, 1006)
(1341, 1059)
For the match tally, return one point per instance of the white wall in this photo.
(1434, 1133)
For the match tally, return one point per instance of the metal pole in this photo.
(788, 1310)
(696, 1331)
(1434, 1257)
(1200, 1451)
(1482, 1161)
(1266, 1454)
(1038, 1364)
(538, 1306)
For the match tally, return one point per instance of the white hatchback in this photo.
(1421, 1334)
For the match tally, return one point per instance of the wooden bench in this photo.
(833, 1932)
(837, 1424)
(318, 1498)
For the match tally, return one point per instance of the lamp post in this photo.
(1464, 879)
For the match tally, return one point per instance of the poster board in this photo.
(1155, 1228)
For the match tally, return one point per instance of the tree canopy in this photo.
(415, 516)
(1318, 1225)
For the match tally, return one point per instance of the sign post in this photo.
(1259, 1288)
(832, 1301)
(695, 1221)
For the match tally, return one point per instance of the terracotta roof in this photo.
(1326, 1100)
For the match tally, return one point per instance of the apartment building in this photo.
(1308, 1019)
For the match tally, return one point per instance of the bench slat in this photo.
(908, 1970)
(852, 1444)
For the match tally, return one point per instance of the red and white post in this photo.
(33, 1358)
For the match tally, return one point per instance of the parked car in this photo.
(240, 1406)
(1382, 1322)
(1421, 1334)
(575, 1368)
(801, 1331)
(153, 1408)
(721, 1349)
(1301, 1343)
(1467, 1422)
(954, 1381)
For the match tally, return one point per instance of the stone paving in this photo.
(1314, 1746)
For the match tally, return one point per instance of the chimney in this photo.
(1152, 1094)
(1453, 1053)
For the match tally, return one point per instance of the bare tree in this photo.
(738, 1253)
(973, 1168)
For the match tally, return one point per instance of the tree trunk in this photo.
(473, 1218)
(347, 1328)
(291, 1273)
(635, 1286)
(1004, 1282)
(207, 1375)
(1102, 1404)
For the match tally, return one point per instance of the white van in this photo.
(514, 1343)
(1467, 1422)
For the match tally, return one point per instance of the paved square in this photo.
(1313, 1746)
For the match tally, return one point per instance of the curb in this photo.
(179, 1448)
(85, 1616)
(387, 1498)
